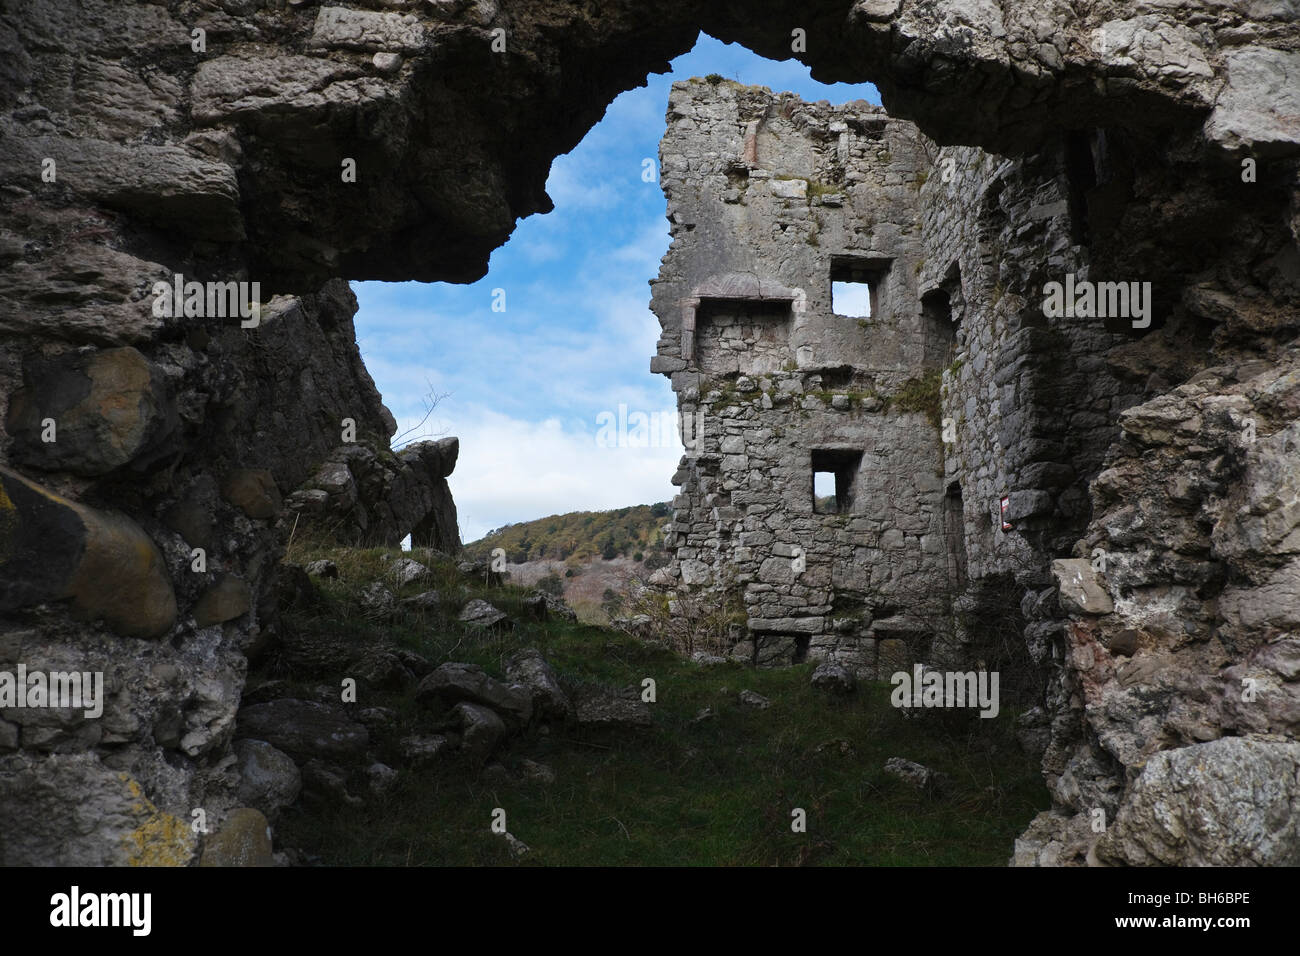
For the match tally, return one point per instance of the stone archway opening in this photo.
(234, 165)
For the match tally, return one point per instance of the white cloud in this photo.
(571, 186)
(514, 470)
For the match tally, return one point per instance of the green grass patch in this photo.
(921, 395)
(717, 793)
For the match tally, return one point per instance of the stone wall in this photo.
(768, 192)
(1055, 486)
(769, 199)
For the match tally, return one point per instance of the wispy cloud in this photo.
(512, 469)
(525, 386)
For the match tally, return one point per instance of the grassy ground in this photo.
(716, 792)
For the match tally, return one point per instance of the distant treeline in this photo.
(634, 532)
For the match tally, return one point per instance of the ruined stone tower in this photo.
(771, 199)
(927, 413)
(994, 459)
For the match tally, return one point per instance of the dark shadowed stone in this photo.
(109, 408)
(224, 601)
(480, 730)
(322, 781)
(293, 587)
(253, 491)
(1022, 505)
(1124, 644)
(192, 516)
(244, 839)
(269, 780)
(303, 728)
(452, 683)
(834, 678)
(536, 606)
(480, 613)
(420, 749)
(424, 601)
(52, 548)
(534, 772)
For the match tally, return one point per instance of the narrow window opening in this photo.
(954, 529)
(940, 329)
(801, 642)
(1081, 172)
(824, 502)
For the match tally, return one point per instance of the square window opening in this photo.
(834, 481)
(854, 299)
(856, 286)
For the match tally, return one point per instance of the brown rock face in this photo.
(224, 601)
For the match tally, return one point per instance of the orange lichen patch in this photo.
(159, 839)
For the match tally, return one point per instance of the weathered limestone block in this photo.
(227, 87)
(1229, 802)
(159, 184)
(52, 549)
(72, 810)
(243, 839)
(529, 669)
(303, 729)
(1081, 589)
(1258, 108)
(368, 30)
(597, 709)
(367, 494)
(90, 413)
(451, 683)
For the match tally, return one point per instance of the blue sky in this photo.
(525, 388)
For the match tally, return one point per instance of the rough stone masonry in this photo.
(977, 442)
(1150, 474)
